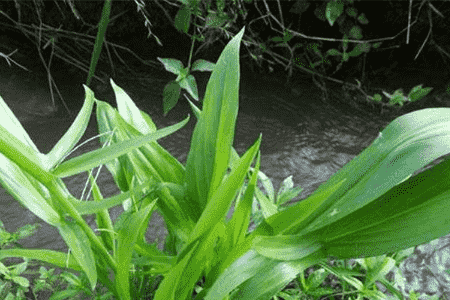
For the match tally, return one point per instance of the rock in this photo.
(425, 272)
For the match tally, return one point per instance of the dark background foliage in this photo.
(291, 39)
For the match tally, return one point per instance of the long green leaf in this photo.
(74, 133)
(175, 208)
(238, 225)
(169, 286)
(127, 237)
(103, 219)
(220, 202)
(258, 277)
(101, 156)
(57, 258)
(28, 159)
(92, 207)
(15, 181)
(265, 284)
(80, 246)
(213, 135)
(103, 25)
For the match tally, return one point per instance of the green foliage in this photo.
(399, 99)
(14, 286)
(10, 276)
(305, 54)
(185, 80)
(7, 238)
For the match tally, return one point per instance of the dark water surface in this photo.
(301, 137)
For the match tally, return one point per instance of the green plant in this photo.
(14, 286)
(351, 30)
(7, 238)
(369, 203)
(266, 204)
(10, 276)
(398, 98)
(184, 80)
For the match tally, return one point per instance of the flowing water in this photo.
(301, 136)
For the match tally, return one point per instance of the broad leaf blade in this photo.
(412, 213)
(406, 144)
(286, 247)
